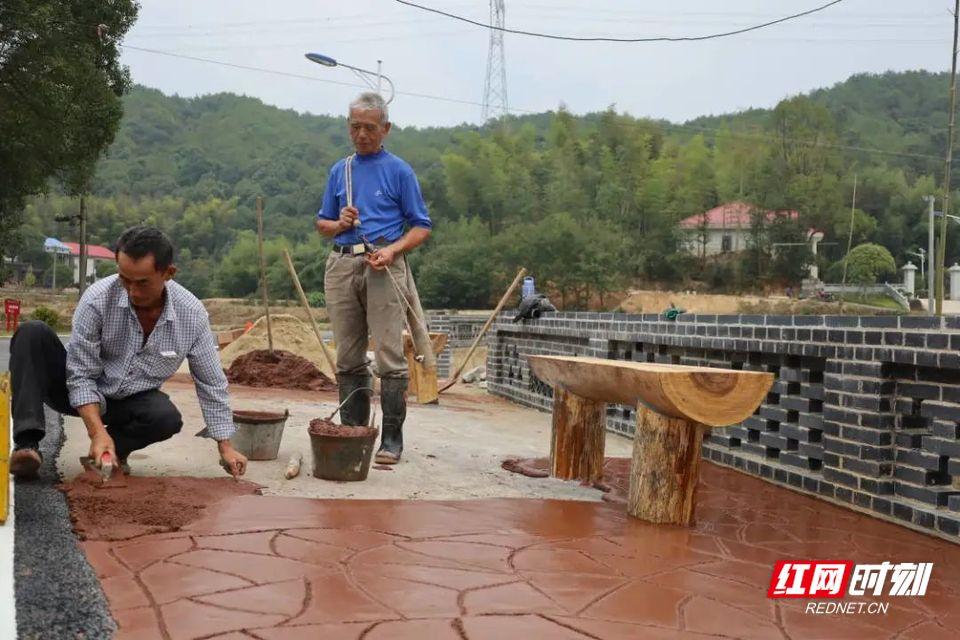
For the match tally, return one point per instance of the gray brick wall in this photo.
(864, 411)
(461, 331)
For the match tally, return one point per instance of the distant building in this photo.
(726, 229)
(723, 229)
(95, 255)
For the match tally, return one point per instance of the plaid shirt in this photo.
(105, 358)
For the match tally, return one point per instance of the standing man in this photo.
(131, 332)
(361, 299)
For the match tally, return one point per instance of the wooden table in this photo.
(675, 404)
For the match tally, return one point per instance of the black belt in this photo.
(357, 249)
(350, 249)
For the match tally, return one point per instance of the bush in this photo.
(48, 315)
(316, 299)
(868, 263)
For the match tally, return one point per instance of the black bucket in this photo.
(343, 458)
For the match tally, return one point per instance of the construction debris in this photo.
(474, 375)
(293, 467)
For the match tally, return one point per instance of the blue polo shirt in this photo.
(385, 192)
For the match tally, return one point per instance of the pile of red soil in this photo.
(279, 370)
(143, 505)
(616, 474)
(324, 427)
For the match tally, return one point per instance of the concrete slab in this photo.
(274, 567)
(452, 451)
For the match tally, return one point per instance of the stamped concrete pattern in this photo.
(276, 567)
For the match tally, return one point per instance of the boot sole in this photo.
(386, 458)
(24, 465)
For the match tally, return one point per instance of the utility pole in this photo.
(948, 162)
(83, 245)
(931, 243)
(263, 273)
(853, 209)
(495, 86)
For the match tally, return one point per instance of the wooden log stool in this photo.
(675, 404)
(423, 380)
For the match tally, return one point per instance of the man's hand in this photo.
(381, 258)
(232, 460)
(100, 443)
(349, 217)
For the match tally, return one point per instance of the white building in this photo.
(724, 229)
(95, 254)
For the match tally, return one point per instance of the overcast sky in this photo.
(436, 56)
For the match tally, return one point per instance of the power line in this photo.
(304, 77)
(611, 39)
(687, 128)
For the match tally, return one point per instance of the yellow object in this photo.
(4, 446)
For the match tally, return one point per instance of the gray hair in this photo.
(369, 101)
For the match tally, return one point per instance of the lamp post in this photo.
(922, 254)
(363, 74)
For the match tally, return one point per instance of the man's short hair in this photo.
(141, 240)
(368, 101)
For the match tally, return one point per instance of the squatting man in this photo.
(131, 332)
(383, 218)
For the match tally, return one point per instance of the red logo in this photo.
(810, 579)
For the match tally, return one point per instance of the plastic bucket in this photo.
(259, 433)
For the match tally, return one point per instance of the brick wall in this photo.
(461, 330)
(864, 411)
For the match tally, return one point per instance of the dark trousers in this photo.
(38, 372)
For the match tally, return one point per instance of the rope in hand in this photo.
(405, 304)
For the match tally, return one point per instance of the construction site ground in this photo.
(452, 450)
(447, 544)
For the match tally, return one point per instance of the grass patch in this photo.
(883, 302)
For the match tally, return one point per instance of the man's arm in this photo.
(333, 228)
(84, 367)
(211, 384)
(331, 219)
(416, 216)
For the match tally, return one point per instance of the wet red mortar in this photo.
(272, 568)
(143, 505)
(280, 369)
(616, 475)
(325, 427)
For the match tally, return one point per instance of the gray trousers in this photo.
(363, 304)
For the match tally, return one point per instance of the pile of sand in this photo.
(278, 370)
(289, 334)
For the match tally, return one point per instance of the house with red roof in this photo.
(725, 228)
(96, 254)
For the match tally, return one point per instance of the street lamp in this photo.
(363, 74)
(922, 254)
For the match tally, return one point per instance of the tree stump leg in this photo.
(576, 447)
(665, 468)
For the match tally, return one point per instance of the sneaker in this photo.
(25, 462)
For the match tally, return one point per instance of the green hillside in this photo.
(589, 204)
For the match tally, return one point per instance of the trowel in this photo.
(104, 476)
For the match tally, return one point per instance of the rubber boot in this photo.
(356, 411)
(393, 402)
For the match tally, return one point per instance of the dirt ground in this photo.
(225, 313)
(638, 301)
(452, 450)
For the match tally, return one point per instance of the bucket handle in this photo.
(340, 406)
